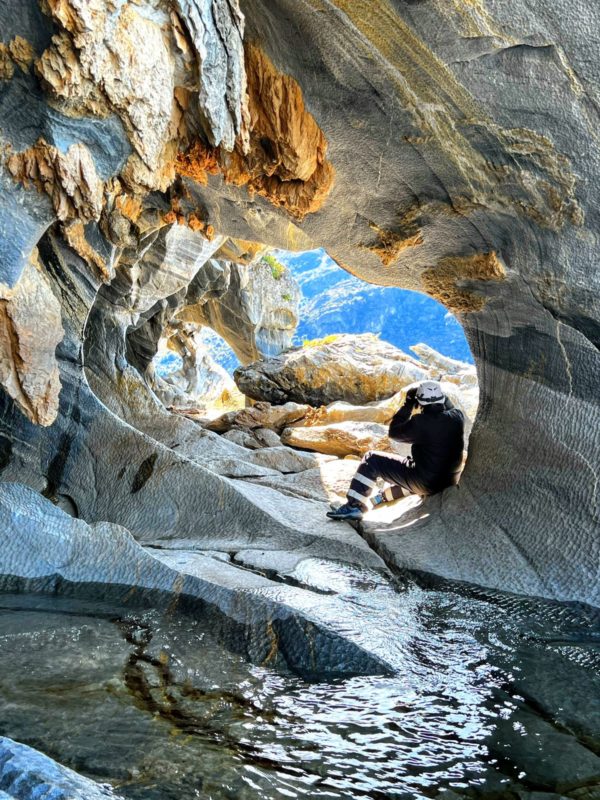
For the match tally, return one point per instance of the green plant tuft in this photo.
(277, 268)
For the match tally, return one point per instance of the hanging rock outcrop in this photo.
(28, 366)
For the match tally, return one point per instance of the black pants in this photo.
(397, 470)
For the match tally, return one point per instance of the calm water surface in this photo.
(490, 696)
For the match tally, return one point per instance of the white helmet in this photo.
(429, 393)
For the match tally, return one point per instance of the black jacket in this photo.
(437, 438)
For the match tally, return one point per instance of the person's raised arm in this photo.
(402, 427)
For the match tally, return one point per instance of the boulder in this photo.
(343, 438)
(253, 439)
(358, 369)
(284, 459)
(266, 437)
(340, 411)
(242, 438)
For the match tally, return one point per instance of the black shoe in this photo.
(347, 511)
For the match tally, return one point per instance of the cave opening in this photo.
(288, 358)
(225, 341)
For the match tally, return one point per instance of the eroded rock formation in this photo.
(444, 147)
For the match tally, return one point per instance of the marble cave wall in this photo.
(442, 146)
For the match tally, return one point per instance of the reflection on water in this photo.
(489, 695)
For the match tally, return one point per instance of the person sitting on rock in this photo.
(437, 438)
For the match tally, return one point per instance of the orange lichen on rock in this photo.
(390, 244)
(198, 161)
(192, 219)
(130, 206)
(17, 52)
(240, 251)
(22, 53)
(69, 179)
(286, 160)
(442, 281)
(28, 366)
(7, 68)
(62, 76)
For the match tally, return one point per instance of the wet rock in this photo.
(342, 438)
(355, 368)
(44, 547)
(549, 758)
(28, 774)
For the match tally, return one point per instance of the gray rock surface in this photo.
(256, 314)
(26, 774)
(200, 382)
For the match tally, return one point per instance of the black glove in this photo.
(411, 397)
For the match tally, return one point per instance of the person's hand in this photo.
(411, 397)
